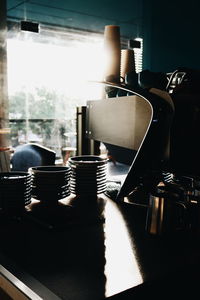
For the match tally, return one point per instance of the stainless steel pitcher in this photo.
(165, 214)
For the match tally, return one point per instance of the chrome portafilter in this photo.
(88, 175)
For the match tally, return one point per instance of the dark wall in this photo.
(171, 34)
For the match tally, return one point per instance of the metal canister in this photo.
(165, 214)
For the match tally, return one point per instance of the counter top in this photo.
(97, 249)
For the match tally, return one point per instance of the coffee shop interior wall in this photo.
(171, 34)
(170, 29)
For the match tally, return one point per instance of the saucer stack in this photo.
(50, 183)
(15, 190)
(88, 175)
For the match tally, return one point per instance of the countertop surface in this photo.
(93, 249)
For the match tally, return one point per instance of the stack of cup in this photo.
(50, 183)
(88, 175)
(112, 47)
(127, 62)
(15, 191)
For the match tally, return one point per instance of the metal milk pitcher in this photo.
(165, 214)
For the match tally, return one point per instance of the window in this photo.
(138, 56)
(49, 75)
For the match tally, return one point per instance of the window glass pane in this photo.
(49, 75)
(138, 56)
(47, 78)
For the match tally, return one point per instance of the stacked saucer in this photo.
(88, 175)
(50, 183)
(15, 190)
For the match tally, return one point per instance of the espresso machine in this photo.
(158, 127)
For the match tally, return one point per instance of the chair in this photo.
(31, 155)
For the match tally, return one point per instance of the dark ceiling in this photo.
(88, 14)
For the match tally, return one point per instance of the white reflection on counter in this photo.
(121, 268)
